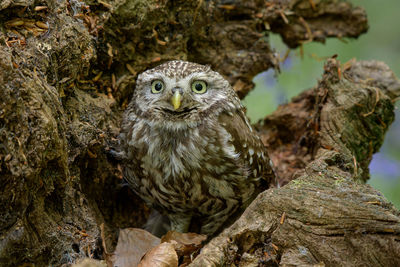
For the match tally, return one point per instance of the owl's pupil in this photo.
(158, 86)
(198, 87)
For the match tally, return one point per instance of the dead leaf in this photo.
(186, 243)
(133, 243)
(163, 255)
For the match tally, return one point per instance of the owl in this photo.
(188, 149)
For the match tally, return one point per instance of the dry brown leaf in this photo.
(133, 243)
(163, 255)
(184, 238)
(186, 244)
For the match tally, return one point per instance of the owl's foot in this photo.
(157, 224)
(180, 222)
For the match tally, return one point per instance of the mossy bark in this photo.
(63, 89)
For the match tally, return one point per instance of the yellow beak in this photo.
(176, 100)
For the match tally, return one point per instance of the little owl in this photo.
(188, 149)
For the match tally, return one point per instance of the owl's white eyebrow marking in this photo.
(192, 77)
(151, 77)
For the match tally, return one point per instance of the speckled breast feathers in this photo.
(189, 148)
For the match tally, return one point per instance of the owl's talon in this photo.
(180, 223)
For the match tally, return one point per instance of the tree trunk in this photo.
(67, 70)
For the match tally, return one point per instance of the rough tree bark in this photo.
(67, 69)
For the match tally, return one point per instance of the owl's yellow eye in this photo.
(199, 87)
(157, 86)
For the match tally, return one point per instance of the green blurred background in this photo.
(381, 42)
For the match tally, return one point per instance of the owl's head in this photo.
(180, 91)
